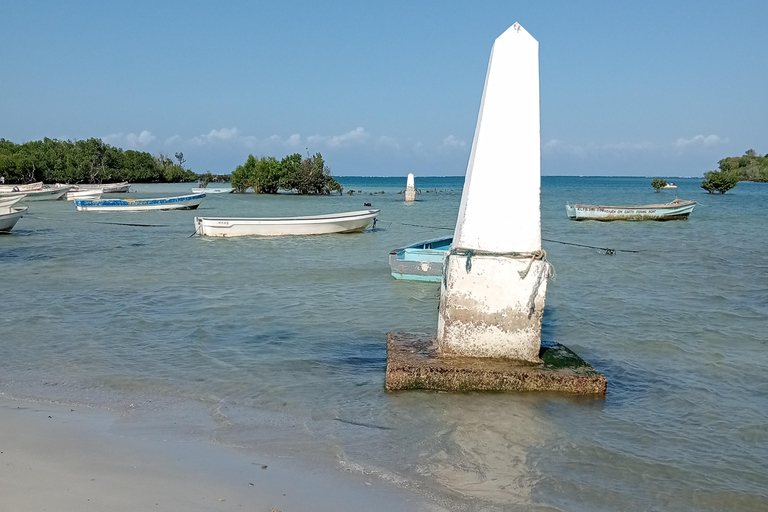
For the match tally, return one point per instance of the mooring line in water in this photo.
(361, 424)
(127, 224)
(606, 250)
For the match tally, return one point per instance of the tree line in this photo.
(267, 175)
(733, 169)
(86, 161)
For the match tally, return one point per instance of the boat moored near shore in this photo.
(9, 217)
(675, 210)
(189, 202)
(349, 222)
(420, 262)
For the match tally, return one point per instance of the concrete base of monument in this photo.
(413, 362)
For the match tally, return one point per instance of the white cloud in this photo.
(386, 142)
(174, 139)
(356, 136)
(222, 135)
(451, 142)
(130, 140)
(707, 141)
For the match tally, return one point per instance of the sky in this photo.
(651, 88)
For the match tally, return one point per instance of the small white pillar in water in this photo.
(410, 190)
(494, 278)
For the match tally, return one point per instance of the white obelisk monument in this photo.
(495, 277)
(410, 189)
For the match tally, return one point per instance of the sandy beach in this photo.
(59, 458)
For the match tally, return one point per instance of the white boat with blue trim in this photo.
(675, 210)
(188, 202)
(348, 222)
(420, 262)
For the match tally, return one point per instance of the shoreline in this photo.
(72, 458)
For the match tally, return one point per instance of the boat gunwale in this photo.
(306, 218)
(678, 204)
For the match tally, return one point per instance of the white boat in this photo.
(669, 185)
(51, 193)
(89, 193)
(8, 201)
(674, 210)
(189, 202)
(9, 217)
(106, 188)
(348, 222)
(207, 190)
(21, 188)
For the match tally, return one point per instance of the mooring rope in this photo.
(547, 269)
(606, 250)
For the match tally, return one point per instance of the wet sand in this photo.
(60, 458)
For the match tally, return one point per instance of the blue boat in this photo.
(420, 262)
(188, 202)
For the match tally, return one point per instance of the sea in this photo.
(277, 345)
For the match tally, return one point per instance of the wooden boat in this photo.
(669, 185)
(94, 193)
(189, 202)
(8, 201)
(348, 222)
(21, 188)
(674, 210)
(206, 190)
(106, 188)
(420, 262)
(51, 193)
(9, 217)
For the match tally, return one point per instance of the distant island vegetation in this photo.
(749, 167)
(86, 161)
(732, 170)
(267, 175)
(94, 161)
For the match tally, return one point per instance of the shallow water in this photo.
(282, 343)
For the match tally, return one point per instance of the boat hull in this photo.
(9, 219)
(45, 194)
(140, 205)
(669, 211)
(15, 189)
(420, 262)
(108, 188)
(281, 226)
(212, 190)
(8, 201)
(92, 194)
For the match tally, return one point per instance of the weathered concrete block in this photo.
(415, 362)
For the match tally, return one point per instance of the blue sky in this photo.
(387, 88)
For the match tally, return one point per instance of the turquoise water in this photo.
(281, 342)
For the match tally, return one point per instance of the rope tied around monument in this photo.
(547, 269)
(532, 256)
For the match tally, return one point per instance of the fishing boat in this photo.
(189, 202)
(669, 185)
(89, 193)
(420, 262)
(106, 188)
(674, 210)
(9, 217)
(21, 188)
(8, 201)
(348, 222)
(206, 190)
(48, 193)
